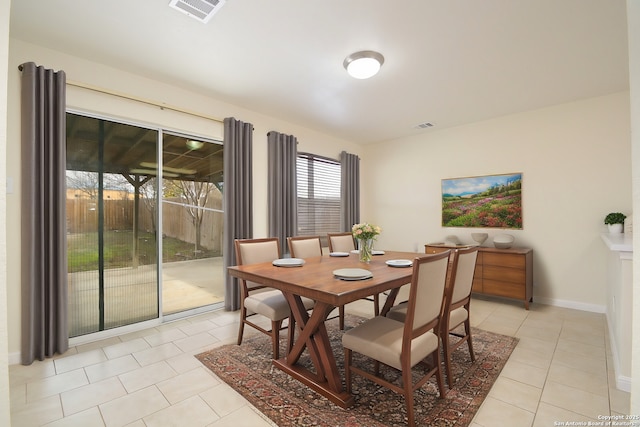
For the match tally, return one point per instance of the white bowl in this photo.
(479, 237)
(452, 240)
(503, 241)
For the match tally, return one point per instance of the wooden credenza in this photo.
(501, 272)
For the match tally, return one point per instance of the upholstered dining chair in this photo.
(341, 242)
(344, 242)
(404, 345)
(456, 306)
(457, 301)
(261, 300)
(304, 246)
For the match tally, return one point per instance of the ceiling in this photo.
(95, 145)
(447, 62)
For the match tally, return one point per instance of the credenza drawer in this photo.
(503, 274)
(503, 289)
(504, 260)
(435, 249)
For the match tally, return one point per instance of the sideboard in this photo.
(499, 272)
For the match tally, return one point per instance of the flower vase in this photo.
(365, 249)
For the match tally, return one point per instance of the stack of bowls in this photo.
(479, 237)
(503, 241)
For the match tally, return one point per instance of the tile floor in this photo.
(560, 371)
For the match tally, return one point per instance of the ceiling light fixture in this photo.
(363, 64)
(194, 145)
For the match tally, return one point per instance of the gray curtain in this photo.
(45, 329)
(238, 198)
(350, 190)
(282, 187)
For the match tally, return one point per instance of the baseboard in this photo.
(594, 308)
(14, 358)
(622, 382)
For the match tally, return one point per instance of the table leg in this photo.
(312, 335)
(391, 298)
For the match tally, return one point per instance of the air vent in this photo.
(202, 10)
(424, 125)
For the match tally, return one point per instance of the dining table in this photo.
(314, 278)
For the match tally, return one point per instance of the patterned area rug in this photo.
(287, 402)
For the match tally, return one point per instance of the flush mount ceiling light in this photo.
(363, 64)
(194, 145)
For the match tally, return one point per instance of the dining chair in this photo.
(344, 242)
(404, 345)
(455, 308)
(457, 300)
(341, 242)
(304, 246)
(258, 299)
(307, 247)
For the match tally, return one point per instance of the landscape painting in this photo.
(493, 201)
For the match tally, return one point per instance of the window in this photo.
(318, 180)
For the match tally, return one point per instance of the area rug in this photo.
(288, 403)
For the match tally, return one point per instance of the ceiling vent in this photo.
(202, 10)
(424, 125)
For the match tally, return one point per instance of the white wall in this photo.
(79, 70)
(4, 356)
(576, 164)
(633, 19)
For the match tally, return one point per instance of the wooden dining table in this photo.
(315, 280)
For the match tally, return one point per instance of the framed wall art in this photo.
(490, 201)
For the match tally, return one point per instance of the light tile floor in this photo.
(560, 371)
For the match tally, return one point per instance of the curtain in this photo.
(282, 187)
(350, 190)
(45, 329)
(238, 199)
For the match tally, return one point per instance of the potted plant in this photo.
(614, 221)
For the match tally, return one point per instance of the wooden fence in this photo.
(82, 217)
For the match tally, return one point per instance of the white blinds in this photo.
(318, 195)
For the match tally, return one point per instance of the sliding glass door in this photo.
(192, 271)
(112, 262)
(120, 243)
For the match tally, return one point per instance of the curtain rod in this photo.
(142, 100)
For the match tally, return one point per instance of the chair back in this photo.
(304, 246)
(463, 270)
(255, 251)
(426, 293)
(341, 242)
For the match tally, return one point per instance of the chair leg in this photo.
(447, 358)
(376, 304)
(243, 315)
(407, 383)
(376, 367)
(275, 338)
(347, 369)
(467, 330)
(437, 362)
(341, 317)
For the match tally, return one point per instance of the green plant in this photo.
(615, 218)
